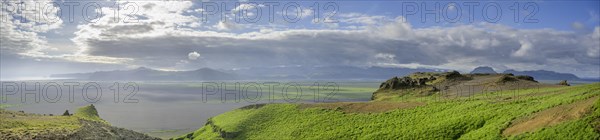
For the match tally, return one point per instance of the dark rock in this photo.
(404, 82)
(564, 83)
(66, 113)
(453, 74)
(525, 77)
(505, 78)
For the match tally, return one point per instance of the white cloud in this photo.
(21, 31)
(155, 18)
(245, 7)
(193, 55)
(226, 26)
(392, 43)
(386, 57)
(593, 43)
(358, 18)
(306, 12)
(524, 50)
(165, 30)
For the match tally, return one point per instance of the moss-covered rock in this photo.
(89, 113)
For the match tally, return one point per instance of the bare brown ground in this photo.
(551, 116)
(367, 107)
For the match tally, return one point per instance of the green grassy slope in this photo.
(483, 116)
(84, 124)
(89, 113)
(27, 126)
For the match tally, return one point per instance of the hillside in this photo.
(547, 112)
(451, 84)
(84, 124)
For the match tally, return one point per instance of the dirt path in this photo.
(551, 116)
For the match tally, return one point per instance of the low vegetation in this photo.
(84, 124)
(495, 114)
(21, 125)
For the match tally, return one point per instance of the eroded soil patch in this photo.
(551, 116)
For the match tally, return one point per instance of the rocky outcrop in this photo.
(66, 113)
(506, 78)
(452, 75)
(418, 79)
(448, 83)
(564, 83)
(526, 77)
(404, 82)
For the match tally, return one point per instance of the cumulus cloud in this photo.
(524, 50)
(164, 30)
(246, 7)
(155, 18)
(193, 55)
(358, 18)
(226, 26)
(593, 43)
(393, 43)
(21, 30)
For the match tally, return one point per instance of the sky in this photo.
(39, 38)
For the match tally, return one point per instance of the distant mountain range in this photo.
(545, 75)
(483, 69)
(270, 73)
(328, 72)
(143, 73)
(289, 73)
(537, 74)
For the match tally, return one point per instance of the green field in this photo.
(483, 116)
